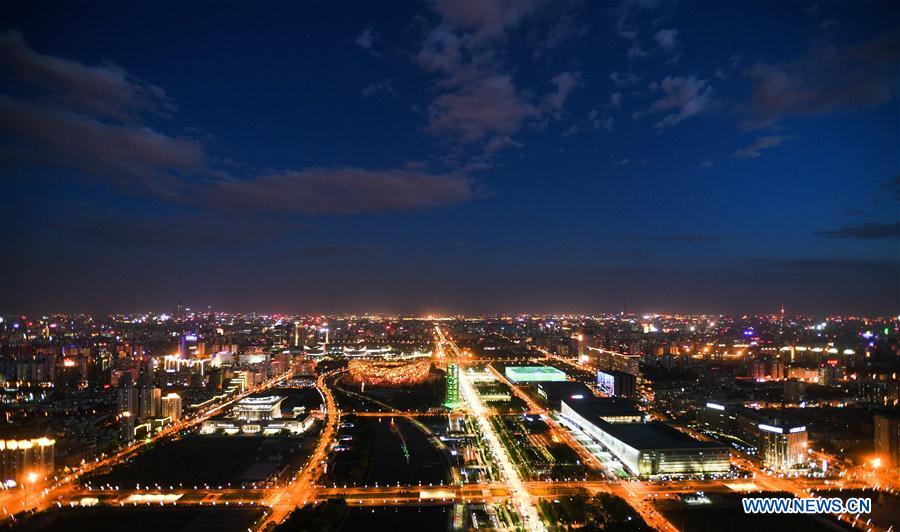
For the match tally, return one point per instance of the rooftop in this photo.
(594, 408)
(654, 435)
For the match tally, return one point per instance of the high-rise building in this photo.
(18, 458)
(128, 400)
(151, 403)
(452, 386)
(126, 427)
(100, 369)
(887, 439)
(603, 359)
(171, 407)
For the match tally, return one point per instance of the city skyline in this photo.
(451, 157)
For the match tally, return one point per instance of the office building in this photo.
(780, 445)
(616, 383)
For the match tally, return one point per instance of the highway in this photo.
(300, 491)
(522, 501)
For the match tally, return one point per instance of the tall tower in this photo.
(452, 386)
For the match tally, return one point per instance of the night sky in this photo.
(450, 157)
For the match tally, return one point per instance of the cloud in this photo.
(595, 122)
(707, 164)
(383, 86)
(698, 238)
(565, 83)
(763, 143)
(101, 91)
(486, 20)
(179, 170)
(615, 99)
(479, 109)
(607, 124)
(343, 190)
(477, 101)
(684, 96)
(366, 39)
(829, 79)
(667, 39)
(865, 231)
(628, 16)
(622, 162)
(130, 157)
(623, 79)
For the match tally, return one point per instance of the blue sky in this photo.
(451, 156)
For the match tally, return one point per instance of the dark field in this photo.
(152, 519)
(214, 460)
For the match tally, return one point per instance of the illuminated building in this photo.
(126, 427)
(259, 415)
(452, 386)
(258, 408)
(518, 374)
(390, 372)
(616, 383)
(297, 425)
(128, 400)
(887, 439)
(645, 448)
(19, 458)
(171, 407)
(604, 359)
(554, 392)
(151, 402)
(780, 446)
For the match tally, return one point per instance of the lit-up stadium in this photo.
(390, 372)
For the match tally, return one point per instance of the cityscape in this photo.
(450, 265)
(621, 421)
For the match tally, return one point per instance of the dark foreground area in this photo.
(140, 519)
(336, 515)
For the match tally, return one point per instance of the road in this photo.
(522, 501)
(300, 490)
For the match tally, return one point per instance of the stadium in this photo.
(390, 372)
